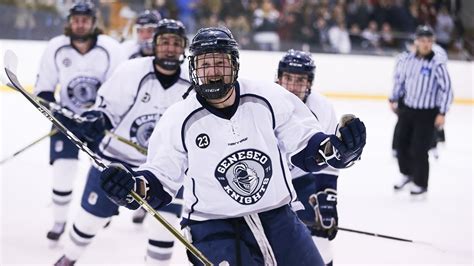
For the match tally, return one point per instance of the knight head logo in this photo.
(245, 178)
(82, 91)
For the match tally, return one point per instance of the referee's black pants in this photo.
(415, 132)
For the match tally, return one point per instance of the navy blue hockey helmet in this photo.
(170, 26)
(147, 18)
(424, 31)
(208, 41)
(82, 8)
(297, 62)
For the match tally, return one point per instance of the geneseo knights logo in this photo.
(82, 91)
(244, 175)
(141, 129)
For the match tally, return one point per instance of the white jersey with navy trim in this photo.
(78, 75)
(231, 167)
(134, 100)
(324, 112)
(131, 49)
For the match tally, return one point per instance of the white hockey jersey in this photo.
(78, 75)
(324, 112)
(231, 167)
(131, 49)
(134, 99)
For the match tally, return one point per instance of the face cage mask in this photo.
(217, 90)
(169, 63)
(146, 47)
(306, 91)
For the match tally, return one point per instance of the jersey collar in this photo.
(224, 113)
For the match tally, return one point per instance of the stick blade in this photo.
(10, 61)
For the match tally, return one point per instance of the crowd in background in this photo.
(333, 26)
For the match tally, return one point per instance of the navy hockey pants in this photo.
(60, 147)
(232, 240)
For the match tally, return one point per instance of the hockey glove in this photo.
(93, 129)
(324, 205)
(118, 181)
(344, 148)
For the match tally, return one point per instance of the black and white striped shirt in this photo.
(422, 82)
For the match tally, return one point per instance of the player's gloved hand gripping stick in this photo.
(87, 119)
(10, 62)
(344, 148)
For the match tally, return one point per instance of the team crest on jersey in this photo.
(67, 62)
(82, 91)
(142, 127)
(146, 98)
(244, 175)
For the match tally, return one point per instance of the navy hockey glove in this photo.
(118, 181)
(324, 204)
(344, 148)
(93, 129)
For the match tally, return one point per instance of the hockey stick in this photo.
(79, 119)
(71, 115)
(11, 60)
(52, 132)
(378, 235)
(393, 238)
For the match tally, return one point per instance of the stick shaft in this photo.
(97, 160)
(52, 132)
(375, 234)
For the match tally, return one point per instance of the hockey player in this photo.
(79, 62)
(130, 103)
(296, 74)
(227, 145)
(144, 29)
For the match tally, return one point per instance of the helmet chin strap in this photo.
(228, 97)
(168, 64)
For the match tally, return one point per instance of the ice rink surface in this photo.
(366, 199)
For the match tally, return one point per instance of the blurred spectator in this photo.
(359, 12)
(386, 36)
(372, 35)
(357, 41)
(265, 24)
(427, 12)
(413, 18)
(270, 24)
(382, 10)
(444, 28)
(240, 28)
(186, 9)
(322, 39)
(25, 21)
(339, 38)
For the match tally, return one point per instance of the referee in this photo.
(423, 86)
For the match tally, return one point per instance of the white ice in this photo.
(366, 199)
